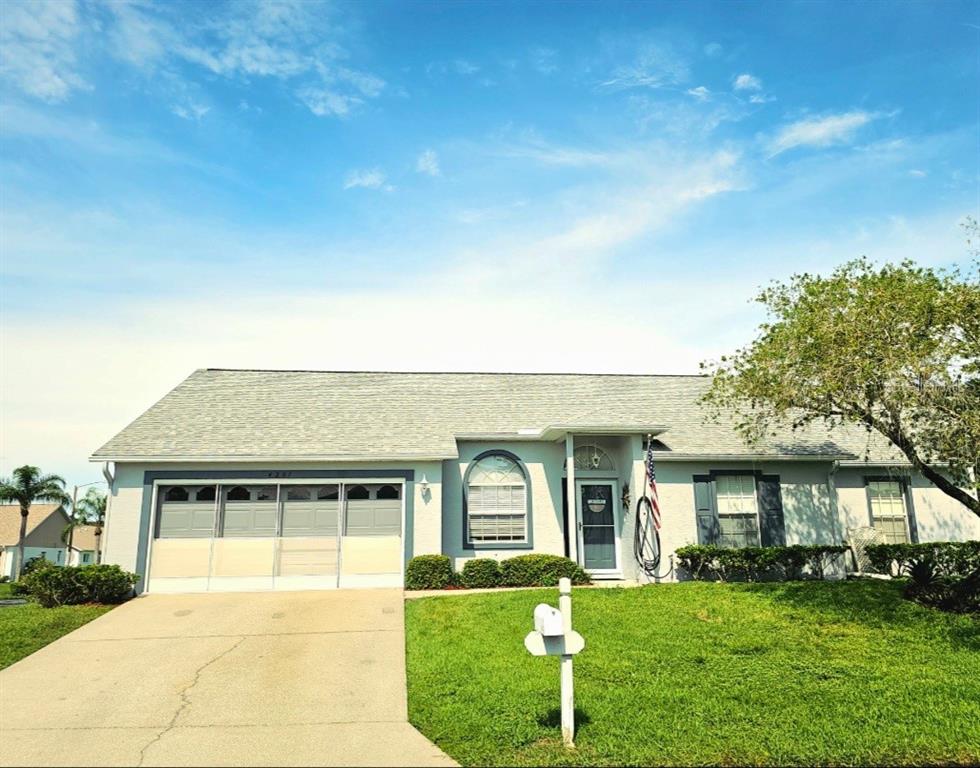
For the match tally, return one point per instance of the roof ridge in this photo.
(462, 373)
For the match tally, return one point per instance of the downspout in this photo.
(101, 540)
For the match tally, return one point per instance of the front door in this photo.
(597, 520)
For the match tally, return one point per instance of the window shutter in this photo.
(707, 514)
(772, 525)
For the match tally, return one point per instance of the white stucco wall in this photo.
(938, 517)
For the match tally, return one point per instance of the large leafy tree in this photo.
(27, 486)
(894, 349)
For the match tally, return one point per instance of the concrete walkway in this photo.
(288, 678)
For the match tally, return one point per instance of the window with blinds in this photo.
(496, 502)
(738, 511)
(889, 514)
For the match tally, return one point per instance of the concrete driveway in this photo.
(287, 678)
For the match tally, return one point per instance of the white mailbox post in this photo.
(553, 636)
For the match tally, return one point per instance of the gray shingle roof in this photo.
(291, 415)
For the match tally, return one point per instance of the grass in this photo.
(27, 628)
(694, 674)
(5, 589)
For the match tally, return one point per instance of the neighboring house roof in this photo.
(10, 520)
(83, 538)
(219, 415)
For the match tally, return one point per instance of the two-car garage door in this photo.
(276, 536)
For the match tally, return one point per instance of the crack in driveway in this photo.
(185, 699)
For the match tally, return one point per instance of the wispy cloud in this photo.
(820, 131)
(37, 48)
(700, 93)
(652, 65)
(373, 178)
(544, 60)
(190, 110)
(747, 82)
(428, 163)
(295, 43)
(464, 67)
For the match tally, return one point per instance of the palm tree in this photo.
(91, 511)
(27, 486)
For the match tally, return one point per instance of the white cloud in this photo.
(918, 173)
(711, 50)
(428, 163)
(293, 42)
(820, 131)
(543, 60)
(747, 82)
(761, 98)
(190, 110)
(37, 48)
(700, 93)
(464, 67)
(372, 178)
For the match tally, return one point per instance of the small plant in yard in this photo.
(52, 585)
(480, 573)
(944, 575)
(429, 572)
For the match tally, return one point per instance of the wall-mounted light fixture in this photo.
(626, 495)
(424, 484)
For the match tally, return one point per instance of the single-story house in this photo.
(84, 544)
(257, 479)
(45, 526)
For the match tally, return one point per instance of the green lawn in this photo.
(26, 628)
(5, 589)
(691, 674)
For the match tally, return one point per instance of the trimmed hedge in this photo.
(436, 572)
(793, 563)
(429, 572)
(52, 585)
(954, 559)
(540, 571)
(480, 573)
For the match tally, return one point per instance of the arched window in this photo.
(358, 492)
(207, 493)
(239, 493)
(593, 458)
(496, 501)
(177, 493)
(298, 494)
(328, 493)
(388, 492)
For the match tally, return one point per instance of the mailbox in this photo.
(548, 621)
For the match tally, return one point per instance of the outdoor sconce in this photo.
(626, 495)
(424, 484)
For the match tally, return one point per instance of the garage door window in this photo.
(250, 511)
(182, 516)
(310, 511)
(373, 511)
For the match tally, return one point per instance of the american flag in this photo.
(652, 482)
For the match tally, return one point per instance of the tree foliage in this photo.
(27, 486)
(894, 349)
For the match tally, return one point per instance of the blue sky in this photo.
(423, 186)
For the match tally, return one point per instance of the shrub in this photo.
(702, 561)
(952, 559)
(54, 585)
(429, 572)
(480, 573)
(540, 571)
(34, 564)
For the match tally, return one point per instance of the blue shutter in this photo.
(707, 514)
(771, 523)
